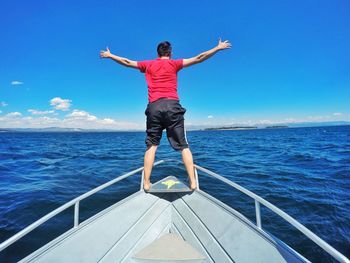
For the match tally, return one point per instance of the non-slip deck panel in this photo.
(181, 227)
(146, 229)
(192, 229)
(236, 238)
(170, 247)
(120, 231)
(91, 242)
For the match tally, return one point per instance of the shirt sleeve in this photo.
(142, 65)
(179, 63)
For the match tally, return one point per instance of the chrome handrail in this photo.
(74, 202)
(259, 200)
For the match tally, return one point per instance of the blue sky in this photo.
(290, 61)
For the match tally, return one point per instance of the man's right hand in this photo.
(105, 54)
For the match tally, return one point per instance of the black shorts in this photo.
(166, 114)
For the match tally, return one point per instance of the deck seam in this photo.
(137, 242)
(205, 227)
(267, 236)
(123, 236)
(35, 255)
(179, 233)
(194, 234)
(167, 227)
(177, 230)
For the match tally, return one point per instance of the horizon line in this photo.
(199, 127)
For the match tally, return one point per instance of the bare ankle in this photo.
(146, 185)
(193, 184)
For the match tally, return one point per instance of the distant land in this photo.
(245, 127)
(189, 127)
(56, 129)
(231, 128)
(274, 126)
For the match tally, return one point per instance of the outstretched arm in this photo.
(207, 54)
(122, 61)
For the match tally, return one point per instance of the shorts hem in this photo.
(178, 149)
(150, 145)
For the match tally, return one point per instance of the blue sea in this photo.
(303, 171)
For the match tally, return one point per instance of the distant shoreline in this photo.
(247, 128)
(229, 128)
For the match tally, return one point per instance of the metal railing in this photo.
(259, 200)
(74, 202)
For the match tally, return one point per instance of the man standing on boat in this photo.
(164, 110)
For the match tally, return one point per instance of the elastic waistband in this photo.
(163, 99)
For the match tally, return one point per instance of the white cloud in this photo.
(337, 114)
(38, 112)
(290, 120)
(78, 119)
(83, 119)
(220, 121)
(108, 121)
(60, 104)
(16, 82)
(15, 114)
(210, 117)
(81, 115)
(75, 119)
(3, 104)
(265, 122)
(318, 118)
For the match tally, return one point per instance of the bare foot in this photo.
(146, 186)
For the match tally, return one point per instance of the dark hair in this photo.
(164, 49)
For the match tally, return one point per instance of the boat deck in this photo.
(169, 224)
(122, 232)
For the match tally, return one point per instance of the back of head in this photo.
(164, 49)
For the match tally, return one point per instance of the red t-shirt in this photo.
(161, 77)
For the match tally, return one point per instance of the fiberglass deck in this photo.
(120, 232)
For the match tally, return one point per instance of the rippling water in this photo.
(303, 171)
